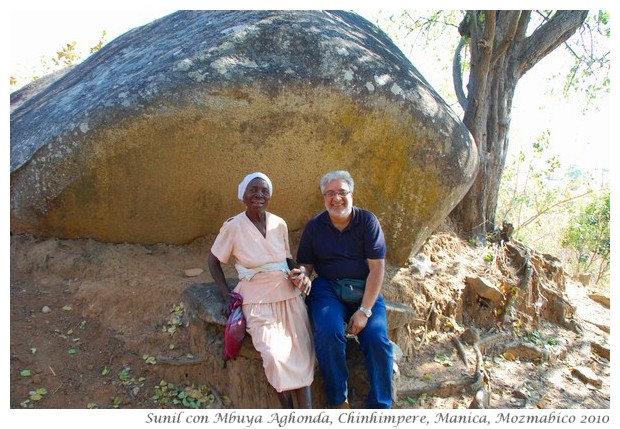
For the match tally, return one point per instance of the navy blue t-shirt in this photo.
(342, 254)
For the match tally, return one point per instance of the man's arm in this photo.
(374, 282)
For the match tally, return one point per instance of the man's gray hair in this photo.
(337, 175)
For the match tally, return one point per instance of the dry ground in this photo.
(87, 318)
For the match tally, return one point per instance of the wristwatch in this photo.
(367, 312)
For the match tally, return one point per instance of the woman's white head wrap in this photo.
(247, 179)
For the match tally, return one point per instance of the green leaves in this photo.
(169, 394)
(133, 385)
(149, 359)
(125, 374)
(175, 320)
(37, 395)
(117, 402)
(443, 359)
(588, 235)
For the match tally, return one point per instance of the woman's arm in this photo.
(215, 268)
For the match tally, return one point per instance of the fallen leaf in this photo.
(37, 395)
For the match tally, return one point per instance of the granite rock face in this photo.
(147, 140)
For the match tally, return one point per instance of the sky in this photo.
(40, 34)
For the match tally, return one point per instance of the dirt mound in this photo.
(89, 319)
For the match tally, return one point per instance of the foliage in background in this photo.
(589, 74)
(588, 237)
(68, 55)
(545, 201)
(428, 39)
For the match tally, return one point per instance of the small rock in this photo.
(486, 289)
(46, 309)
(601, 350)
(520, 394)
(584, 278)
(586, 375)
(602, 299)
(193, 272)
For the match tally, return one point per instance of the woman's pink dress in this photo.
(275, 312)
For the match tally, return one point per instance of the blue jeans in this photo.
(329, 317)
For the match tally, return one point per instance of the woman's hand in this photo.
(226, 305)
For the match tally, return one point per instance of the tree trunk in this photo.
(500, 54)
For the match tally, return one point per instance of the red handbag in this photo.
(234, 333)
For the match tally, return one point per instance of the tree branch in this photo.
(524, 21)
(507, 34)
(549, 36)
(548, 209)
(457, 74)
(480, 45)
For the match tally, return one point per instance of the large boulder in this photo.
(147, 140)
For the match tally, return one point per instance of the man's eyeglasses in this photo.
(332, 194)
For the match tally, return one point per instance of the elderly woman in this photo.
(274, 308)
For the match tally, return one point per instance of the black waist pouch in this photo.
(350, 291)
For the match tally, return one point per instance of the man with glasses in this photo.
(345, 246)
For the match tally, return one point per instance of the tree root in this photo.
(482, 397)
(479, 383)
(469, 383)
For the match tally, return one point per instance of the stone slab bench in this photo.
(243, 379)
